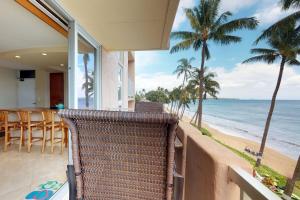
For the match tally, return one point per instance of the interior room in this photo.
(33, 78)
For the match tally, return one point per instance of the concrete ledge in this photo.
(205, 165)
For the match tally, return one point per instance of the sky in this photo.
(237, 80)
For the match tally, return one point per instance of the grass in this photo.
(262, 170)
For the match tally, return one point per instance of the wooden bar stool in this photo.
(54, 124)
(9, 121)
(29, 124)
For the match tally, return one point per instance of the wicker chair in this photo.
(149, 107)
(121, 155)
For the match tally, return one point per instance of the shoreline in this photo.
(272, 158)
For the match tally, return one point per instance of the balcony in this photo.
(213, 172)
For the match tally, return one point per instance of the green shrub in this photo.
(204, 131)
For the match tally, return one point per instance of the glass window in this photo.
(120, 85)
(85, 75)
(119, 93)
(121, 57)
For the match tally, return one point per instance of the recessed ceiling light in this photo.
(18, 57)
(61, 65)
(44, 54)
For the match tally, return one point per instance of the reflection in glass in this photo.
(85, 75)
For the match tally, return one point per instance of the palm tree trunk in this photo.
(171, 110)
(179, 106)
(183, 109)
(204, 96)
(201, 80)
(181, 113)
(193, 117)
(291, 183)
(183, 80)
(86, 86)
(267, 125)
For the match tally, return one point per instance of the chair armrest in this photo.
(178, 182)
(72, 182)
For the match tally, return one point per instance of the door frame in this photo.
(74, 31)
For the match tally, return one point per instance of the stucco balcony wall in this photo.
(204, 163)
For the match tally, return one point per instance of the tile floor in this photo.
(22, 172)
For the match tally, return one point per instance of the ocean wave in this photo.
(286, 142)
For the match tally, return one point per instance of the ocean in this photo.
(246, 119)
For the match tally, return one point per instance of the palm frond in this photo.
(223, 18)
(278, 26)
(238, 24)
(286, 4)
(197, 44)
(184, 45)
(263, 51)
(214, 10)
(193, 19)
(184, 35)
(293, 62)
(265, 58)
(191, 59)
(226, 39)
(207, 53)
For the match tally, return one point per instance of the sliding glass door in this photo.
(84, 70)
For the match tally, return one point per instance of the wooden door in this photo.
(56, 88)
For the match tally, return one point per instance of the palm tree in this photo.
(211, 86)
(90, 85)
(291, 182)
(184, 101)
(207, 25)
(175, 97)
(286, 4)
(284, 45)
(184, 68)
(86, 59)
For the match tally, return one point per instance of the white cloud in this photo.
(150, 82)
(236, 5)
(245, 81)
(145, 58)
(180, 15)
(270, 13)
(257, 81)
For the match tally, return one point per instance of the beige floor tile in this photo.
(22, 172)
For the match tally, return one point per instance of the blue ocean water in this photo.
(246, 118)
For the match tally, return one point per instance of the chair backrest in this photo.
(23, 115)
(2, 116)
(154, 107)
(50, 116)
(122, 155)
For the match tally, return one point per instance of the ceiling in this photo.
(125, 24)
(25, 35)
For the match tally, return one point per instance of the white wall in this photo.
(8, 88)
(110, 66)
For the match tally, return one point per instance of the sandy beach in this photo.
(272, 158)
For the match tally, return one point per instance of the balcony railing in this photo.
(209, 172)
(250, 188)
